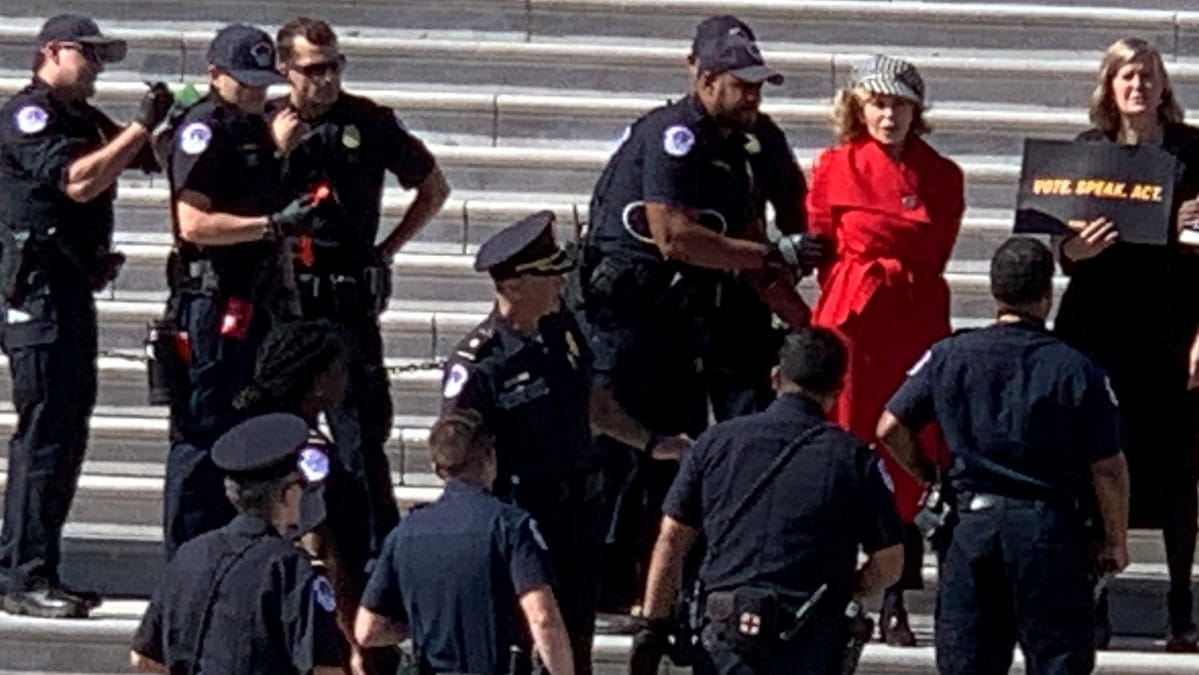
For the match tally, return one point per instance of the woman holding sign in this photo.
(893, 207)
(1134, 308)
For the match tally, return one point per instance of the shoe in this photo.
(44, 603)
(1185, 641)
(89, 599)
(894, 629)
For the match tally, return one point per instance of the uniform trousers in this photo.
(741, 348)
(1016, 572)
(50, 340)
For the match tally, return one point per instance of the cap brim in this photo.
(256, 78)
(889, 87)
(109, 50)
(758, 74)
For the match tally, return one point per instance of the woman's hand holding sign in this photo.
(1090, 239)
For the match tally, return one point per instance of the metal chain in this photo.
(138, 357)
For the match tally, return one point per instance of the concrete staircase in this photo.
(522, 101)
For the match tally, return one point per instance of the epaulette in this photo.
(470, 346)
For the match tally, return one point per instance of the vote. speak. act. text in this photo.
(1093, 187)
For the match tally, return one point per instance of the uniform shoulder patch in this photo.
(678, 140)
(322, 593)
(195, 138)
(31, 119)
(455, 380)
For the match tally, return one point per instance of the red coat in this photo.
(894, 224)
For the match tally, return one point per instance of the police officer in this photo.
(661, 218)
(227, 275)
(527, 369)
(349, 143)
(1032, 425)
(785, 500)
(244, 598)
(451, 571)
(742, 338)
(59, 162)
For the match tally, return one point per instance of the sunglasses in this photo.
(89, 52)
(321, 68)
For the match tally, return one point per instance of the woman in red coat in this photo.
(893, 207)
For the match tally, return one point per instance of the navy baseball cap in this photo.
(525, 247)
(81, 29)
(246, 53)
(734, 52)
(715, 26)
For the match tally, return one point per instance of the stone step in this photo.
(104, 641)
(489, 116)
(925, 24)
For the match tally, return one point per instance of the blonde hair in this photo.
(1104, 114)
(848, 123)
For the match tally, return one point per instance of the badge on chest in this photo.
(521, 389)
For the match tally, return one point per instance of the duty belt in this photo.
(973, 502)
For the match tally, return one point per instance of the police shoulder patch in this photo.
(322, 593)
(678, 140)
(455, 380)
(31, 119)
(195, 138)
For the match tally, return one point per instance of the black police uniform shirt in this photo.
(777, 177)
(349, 148)
(1024, 414)
(673, 155)
(271, 613)
(533, 393)
(40, 136)
(229, 157)
(805, 529)
(453, 571)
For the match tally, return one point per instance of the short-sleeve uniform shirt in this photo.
(229, 157)
(1024, 414)
(806, 527)
(453, 571)
(271, 611)
(40, 136)
(350, 148)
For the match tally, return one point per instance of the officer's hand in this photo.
(292, 220)
(1114, 558)
(1188, 214)
(650, 644)
(156, 103)
(1090, 239)
(287, 129)
(671, 448)
(804, 253)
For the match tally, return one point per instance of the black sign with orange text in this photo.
(1064, 184)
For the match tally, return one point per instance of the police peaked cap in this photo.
(525, 247)
(266, 447)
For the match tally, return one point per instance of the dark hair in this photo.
(313, 30)
(258, 497)
(1021, 271)
(815, 359)
(459, 443)
(289, 361)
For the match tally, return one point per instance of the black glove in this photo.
(802, 252)
(292, 220)
(650, 644)
(156, 103)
